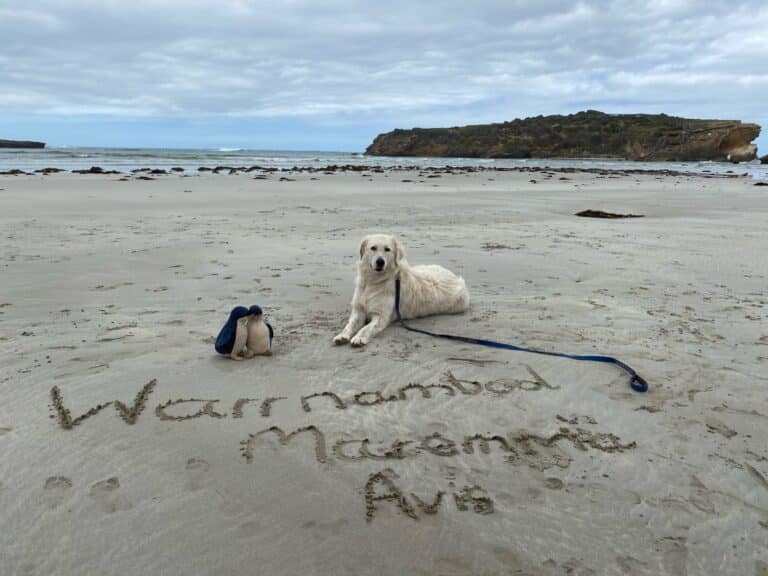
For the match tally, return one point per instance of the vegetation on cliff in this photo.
(589, 134)
(21, 144)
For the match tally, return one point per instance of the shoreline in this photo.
(190, 161)
(332, 168)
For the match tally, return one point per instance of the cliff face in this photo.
(589, 134)
(21, 144)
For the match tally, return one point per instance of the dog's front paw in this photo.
(340, 340)
(358, 342)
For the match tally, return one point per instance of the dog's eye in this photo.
(387, 249)
(373, 248)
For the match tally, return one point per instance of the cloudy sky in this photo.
(331, 74)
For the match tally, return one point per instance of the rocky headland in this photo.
(589, 134)
(21, 144)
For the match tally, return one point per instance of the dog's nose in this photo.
(380, 263)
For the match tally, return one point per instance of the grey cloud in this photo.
(403, 62)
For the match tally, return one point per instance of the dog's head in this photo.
(381, 254)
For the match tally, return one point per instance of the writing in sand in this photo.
(521, 447)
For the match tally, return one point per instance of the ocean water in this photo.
(125, 159)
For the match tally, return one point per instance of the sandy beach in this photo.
(129, 447)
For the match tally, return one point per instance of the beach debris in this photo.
(602, 214)
(95, 170)
(497, 246)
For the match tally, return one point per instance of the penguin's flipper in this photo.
(225, 341)
(271, 332)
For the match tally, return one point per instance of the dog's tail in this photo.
(461, 296)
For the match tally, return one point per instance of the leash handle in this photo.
(636, 382)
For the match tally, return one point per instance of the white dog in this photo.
(424, 290)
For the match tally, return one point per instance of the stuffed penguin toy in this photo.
(260, 333)
(233, 337)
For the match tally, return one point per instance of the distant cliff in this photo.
(589, 134)
(21, 144)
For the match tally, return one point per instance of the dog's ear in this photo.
(399, 251)
(363, 246)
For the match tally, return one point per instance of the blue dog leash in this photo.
(636, 382)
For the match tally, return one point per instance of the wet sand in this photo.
(129, 447)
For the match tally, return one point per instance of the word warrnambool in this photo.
(520, 447)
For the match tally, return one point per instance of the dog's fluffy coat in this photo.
(424, 290)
